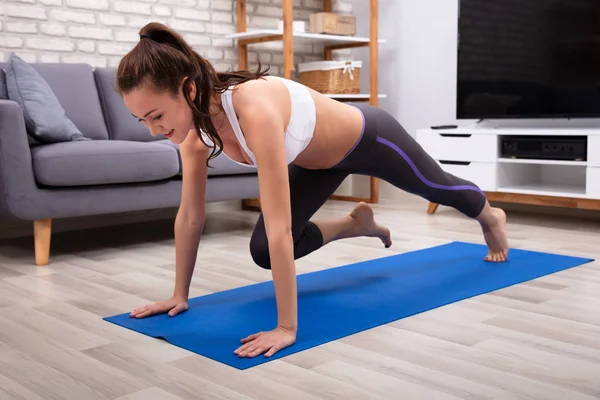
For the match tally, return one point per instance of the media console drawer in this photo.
(481, 174)
(455, 146)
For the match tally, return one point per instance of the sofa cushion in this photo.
(45, 118)
(121, 124)
(101, 162)
(221, 165)
(74, 87)
(3, 92)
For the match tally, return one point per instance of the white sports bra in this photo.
(299, 131)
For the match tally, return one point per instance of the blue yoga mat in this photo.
(344, 300)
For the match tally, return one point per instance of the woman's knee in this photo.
(259, 250)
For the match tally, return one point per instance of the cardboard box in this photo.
(332, 23)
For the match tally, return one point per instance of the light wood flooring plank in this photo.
(483, 366)
(421, 375)
(141, 361)
(152, 393)
(536, 340)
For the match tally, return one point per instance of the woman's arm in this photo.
(191, 215)
(261, 112)
(189, 223)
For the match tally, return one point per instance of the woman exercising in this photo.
(303, 145)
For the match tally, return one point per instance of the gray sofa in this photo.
(121, 169)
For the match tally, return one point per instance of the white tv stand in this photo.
(474, 154)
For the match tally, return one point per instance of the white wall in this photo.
(417, 64)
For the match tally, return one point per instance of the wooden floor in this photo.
(537, 340)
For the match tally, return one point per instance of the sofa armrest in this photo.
(19, 194)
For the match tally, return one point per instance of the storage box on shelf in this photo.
(331, 42)
(332, 23)
(331, 77)
(475, 154)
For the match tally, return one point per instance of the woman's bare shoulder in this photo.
(261, 98)
(193, 146)
(258, 91)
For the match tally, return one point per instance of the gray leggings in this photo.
(386, 151)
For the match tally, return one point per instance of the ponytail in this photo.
(163, 58)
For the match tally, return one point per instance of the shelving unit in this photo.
(542, 178)
(474, 154)
(540, 162)
(245, 37)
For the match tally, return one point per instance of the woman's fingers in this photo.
(251, 337)
(145, 311)
(258, 350)
(140, 310)
(248, 349)
(243, 348)
(274, 349)
(250, 343)
(144, 314)
(177, 309)
(172, 306)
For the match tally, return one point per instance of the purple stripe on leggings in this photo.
(420, 175)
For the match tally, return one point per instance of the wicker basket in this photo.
(331, 77)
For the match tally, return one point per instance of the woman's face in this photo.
(162, 113)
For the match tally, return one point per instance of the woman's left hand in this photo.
(271, 342)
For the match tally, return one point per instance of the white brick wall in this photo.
(99, 32)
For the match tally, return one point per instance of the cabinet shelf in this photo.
(269, 35)
(541, 162)
(546, 189)
(354, 97)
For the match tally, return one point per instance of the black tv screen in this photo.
(528, 59)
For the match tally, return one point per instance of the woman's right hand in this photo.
(173, 306)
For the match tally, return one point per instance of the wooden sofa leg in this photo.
(42, 230)
(251, 205)
(432, 208)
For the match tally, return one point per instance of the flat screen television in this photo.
(528, 59)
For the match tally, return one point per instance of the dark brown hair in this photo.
(162, 59)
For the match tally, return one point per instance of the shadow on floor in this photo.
(120, 236)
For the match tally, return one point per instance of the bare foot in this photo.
(494, 232)
(366, 225)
